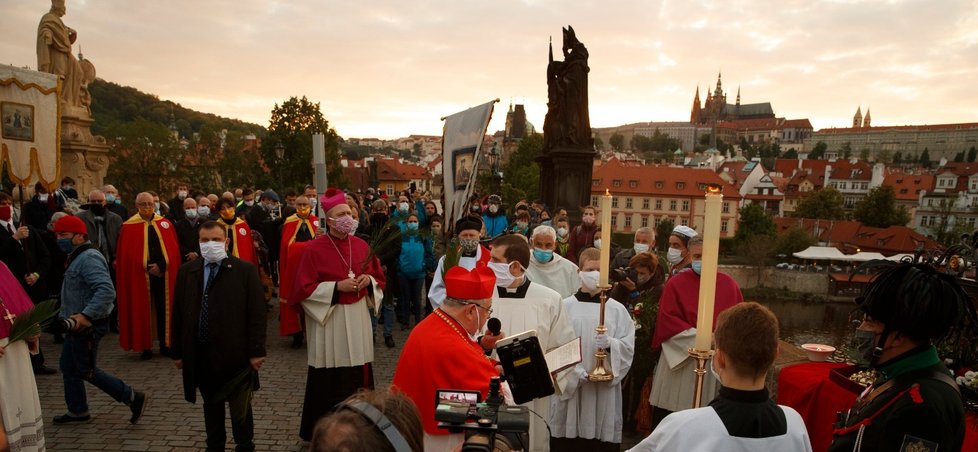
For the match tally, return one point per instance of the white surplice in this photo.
(674, 378)
(340, 335)
(20, 407)
(592, 410)
(436, 294)
(559, 274)
(540, 309)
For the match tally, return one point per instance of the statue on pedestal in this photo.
(54, 40)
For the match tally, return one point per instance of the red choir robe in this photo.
(242, 246)
(440, 355)
(680, 303)
(132, 281)
(13, 300)
(290, 251)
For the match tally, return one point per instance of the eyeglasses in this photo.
(489, 310)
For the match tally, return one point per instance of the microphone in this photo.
(494, 325)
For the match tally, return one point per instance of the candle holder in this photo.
(701, 357)
(600, 372)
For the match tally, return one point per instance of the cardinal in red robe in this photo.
(240, 244)
(146, 271)
(296, 231)
(440, 353)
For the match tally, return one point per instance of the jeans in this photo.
(387, 310)
(409, 301)
(78, 366)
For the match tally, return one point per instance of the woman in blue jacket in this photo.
(416, 261)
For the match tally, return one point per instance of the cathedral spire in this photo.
(694, 116)
(866, 119)
(857, 119)
(738, 95)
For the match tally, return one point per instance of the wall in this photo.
(795, 281)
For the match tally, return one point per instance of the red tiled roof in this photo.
(847, 170)
(849, 235)
(907, 187)
(787, 168)
(390, 169)
(798, 123)
(656, 179)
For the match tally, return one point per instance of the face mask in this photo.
(697, 267)
(543, 256)
(561, 232)
(6, 212)
(182, 194)
(865, 344)
(597, 243)
(412, 226)
(156, 207)
(191, 213)
(674, 256)
(547, 223)
(403, 207)
(475, 208)
(641, 247)
(345, 224)
(589, 281)
(588, 219)
(468, 245)
(503, 276)
(43, 197)
(146, 212)
(436, 229)
(493, 208)
(203, 211)
(713, 370)
(109, 198)
(249, 203)
(478, 321)
(312, 204)
(303, 211)
(66, 245)
(643, 279)
(227, 214)
(97, 209)
(521, 225)
(213, 252)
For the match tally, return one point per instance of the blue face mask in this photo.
(110, 198)
(542, 255)
(697, 267)
(66, 245)
(412, 226)
(547, 223)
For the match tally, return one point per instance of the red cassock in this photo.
(290, 252)
(440, 355)
(327, 259)
(132, 280)
(242, 246)
(680, 303)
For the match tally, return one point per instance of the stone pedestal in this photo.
(84, 157)
(565, 180)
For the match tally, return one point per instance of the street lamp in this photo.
(494, 157)
(280, 153)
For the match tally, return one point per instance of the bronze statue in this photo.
(567, 123)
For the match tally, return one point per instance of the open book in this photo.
(565, 356)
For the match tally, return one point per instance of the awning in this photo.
(821, 253)
(865, 256)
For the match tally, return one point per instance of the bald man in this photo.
(113, 203)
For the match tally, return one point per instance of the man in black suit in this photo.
(187, 229)
(103, 231)
(219, 336)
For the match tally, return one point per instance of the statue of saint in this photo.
(568, 123)
(54, 40)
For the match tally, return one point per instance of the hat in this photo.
(468, 222)
(270, 194)
(684, 232)
(70, 224)
(462, 284)
(332, 198)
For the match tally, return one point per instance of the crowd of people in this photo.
(195, 276)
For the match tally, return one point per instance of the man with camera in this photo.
(442, 351)
(86, 299)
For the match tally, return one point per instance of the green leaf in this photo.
(30, 323)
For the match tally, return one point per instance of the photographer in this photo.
(642, 275)
(442, 352)
(350, 429)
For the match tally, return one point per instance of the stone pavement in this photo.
(172, 424)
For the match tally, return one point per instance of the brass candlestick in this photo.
(701, 357)
(600, 372)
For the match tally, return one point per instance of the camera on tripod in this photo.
(621, 274)
(488, 426)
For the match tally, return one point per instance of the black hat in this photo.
(468, 222)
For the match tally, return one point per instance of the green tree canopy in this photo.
(662, 233)
(818, 151)
(617, 141)
(521, 173)
(972, 154)
(790, 154)
(292, 126)
(825, 204)
(793, 240)
(754, 221)
(879, 209)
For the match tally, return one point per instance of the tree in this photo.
(884, 156)
(879, 210)
(757, 250)
(617, 141)
(790, 154)
(640, 143)
(825, 204)
(521, 174)
(292, 126)
(972, 154)
(846, 150)
(925, 157)
(818, 152)
(959, 157)
(864, 154)
(793, 240)
(144, 157)
(598, 143)
(662, 233)
(754, 221)
(898, 157)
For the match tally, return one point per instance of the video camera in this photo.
(621, 274)
(488, 426)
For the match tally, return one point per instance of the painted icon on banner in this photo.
(462, 162)
(18, 121)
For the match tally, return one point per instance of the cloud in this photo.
(391, 69)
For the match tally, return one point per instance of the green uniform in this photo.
(913, 408)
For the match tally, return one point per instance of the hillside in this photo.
(116, 105)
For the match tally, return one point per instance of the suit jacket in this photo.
(187, 234)
(236, 322)
(27, 256)
(113, 224)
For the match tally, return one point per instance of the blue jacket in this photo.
(417, 258)
(495, 225)
(87, 287)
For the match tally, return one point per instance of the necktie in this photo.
(202, 327)
(10, 228)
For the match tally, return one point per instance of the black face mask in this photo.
(378, 218)
(97, 209)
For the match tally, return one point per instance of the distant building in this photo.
(852, 236)
(803, 177)
(854, 179)
(716, 107)
(952, 203)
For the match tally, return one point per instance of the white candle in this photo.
(605, 237)
(708, 275)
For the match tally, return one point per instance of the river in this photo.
(804, 322)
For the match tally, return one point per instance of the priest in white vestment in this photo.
(471, 254)
(21, 426)
(523, 305)
(588, 415)
(548, 268)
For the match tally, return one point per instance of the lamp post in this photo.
(280, 153)
(496, 178)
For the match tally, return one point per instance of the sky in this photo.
(387, 69)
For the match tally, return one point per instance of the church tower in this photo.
(857, 120)
(738, 96)
(866, 120)
(694, 115)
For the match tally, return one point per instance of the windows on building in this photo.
(659, 184)
(645, 203)
(723, 227)
(726, 207)
(628, 221)
(614, 202)
(616, 183)
(684, 221)
(686, 205)
(390, 189)
(672, 205)
(633, 184)
(614, 221)
(657, 221)
(594, 200)
(645, 221)
(658, 204)
(628, 203)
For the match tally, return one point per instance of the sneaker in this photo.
(44, 370)
(146, 355)
(137, 406)
(67, 418)
(389, 341)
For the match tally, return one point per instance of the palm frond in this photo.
(381, 242)
(30, 323)
(453, 253)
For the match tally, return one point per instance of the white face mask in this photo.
(713, 370)
(674, 256)
(503, 276)
(478, 329)
(213, 251)
(589, 281)
(561, 232)
(43, 197)
(641, 247)
(597, 243)
(182, 194)
(191, 213)
(493, 208)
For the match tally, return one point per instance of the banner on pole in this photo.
(462, 140)
(30, 123)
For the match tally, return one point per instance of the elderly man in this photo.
(335, 281)
(549, 268)
(113, 202)
(440, 352)
(103, 225)
(644, 242)
(522, 306)
(187, 228)
(205, 208)
(298, 229)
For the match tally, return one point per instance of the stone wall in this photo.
(795, 281)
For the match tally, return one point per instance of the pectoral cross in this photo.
(8, 316)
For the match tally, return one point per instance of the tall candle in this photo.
(708, 275)
(605, 237)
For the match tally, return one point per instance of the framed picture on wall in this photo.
(17, 120)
